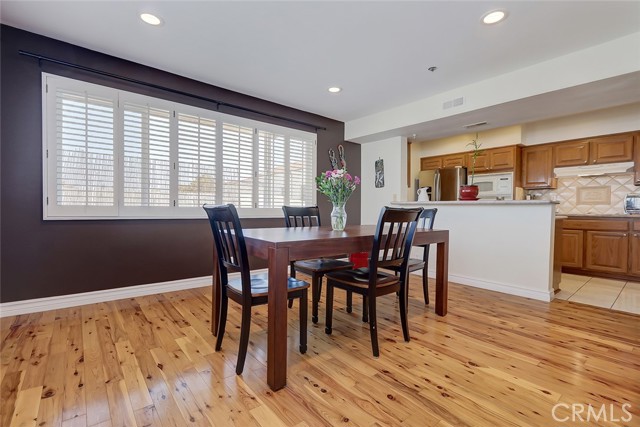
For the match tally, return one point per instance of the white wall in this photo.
(602, 122)
(394, 153)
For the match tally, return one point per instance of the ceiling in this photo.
(379, 52)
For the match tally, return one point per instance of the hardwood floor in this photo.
(494, 360)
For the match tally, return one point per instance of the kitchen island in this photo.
(501, 245)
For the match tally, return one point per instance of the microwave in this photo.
(632, 203)
(495, 186)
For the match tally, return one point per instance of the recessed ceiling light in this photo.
(494, 17)
(334, 89)
(150, 19)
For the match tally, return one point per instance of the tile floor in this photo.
(615, 294)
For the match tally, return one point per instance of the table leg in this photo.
(277, 318)
(442, 277)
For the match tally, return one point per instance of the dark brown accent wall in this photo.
(46, 258)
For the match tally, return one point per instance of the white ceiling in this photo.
(378, 52)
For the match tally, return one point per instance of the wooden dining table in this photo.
(280, 246)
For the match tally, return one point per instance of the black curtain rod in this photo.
(166, 89)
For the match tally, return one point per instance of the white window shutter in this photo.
(147, 162)
(196, 160)
(272, 170)
(237, 165)
(302, 184)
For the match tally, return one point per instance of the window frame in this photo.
(52, 211)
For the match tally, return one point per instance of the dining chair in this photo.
(391, 247)
(309, 216)
(415, 264)
(248, 290)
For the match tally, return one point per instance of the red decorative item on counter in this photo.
(468, 192)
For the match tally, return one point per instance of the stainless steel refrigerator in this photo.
(444, 182)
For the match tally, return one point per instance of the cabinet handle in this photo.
(594, 161)
(624, 235)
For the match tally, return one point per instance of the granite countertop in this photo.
(600, 215)
(478, 202)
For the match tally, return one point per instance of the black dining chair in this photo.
(316, 268)
(429, 216)
(391, 247)
(248, 290)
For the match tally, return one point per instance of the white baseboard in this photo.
(64, 301)
(498, 287)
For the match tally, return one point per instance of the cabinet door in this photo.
(453, 160)
(607, 251)
(483, 163)
(571, 153)
(430, 163)
(636, 158)
(503, 158)
(537, 167)
(611, 149)
(571, 248)
(634, 259)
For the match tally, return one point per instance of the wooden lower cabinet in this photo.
(572, 248)
(607, 251)
(634, 258)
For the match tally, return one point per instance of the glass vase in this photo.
(338, 217)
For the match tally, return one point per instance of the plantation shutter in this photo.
(84, 159)
(196, 160)
(272, 170)
(237, 165)
(302, 185)
(147, 163)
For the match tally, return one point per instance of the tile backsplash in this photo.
(569, 188)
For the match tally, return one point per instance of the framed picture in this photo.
(379, 181)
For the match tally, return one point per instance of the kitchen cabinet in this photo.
(572, 153)
(572, 248)
(453, 160)
(537, 167)
(611, 149)
(427, 163)
(607, 251)
(495, 159)
(608, 247)
(636, 159)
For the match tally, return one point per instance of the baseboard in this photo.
(498, 287)
(15, 308)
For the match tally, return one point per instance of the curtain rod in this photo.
(166, 89)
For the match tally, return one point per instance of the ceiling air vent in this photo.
(453, 103)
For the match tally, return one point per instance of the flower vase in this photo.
(338, 217)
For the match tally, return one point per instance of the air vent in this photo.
(472, 125)
(453, 103)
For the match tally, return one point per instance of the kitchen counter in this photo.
(596, 216)
(500, 245)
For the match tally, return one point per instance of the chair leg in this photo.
(292, 274)
(304, 302)
(349, 301)
(425, 285)
(329, 311)
(222, 322)
(373, 327)
(404, 300)
(365, 309)
(290, 304)
(245, 327)
(316, 290)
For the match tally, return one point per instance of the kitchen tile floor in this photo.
(615, 294)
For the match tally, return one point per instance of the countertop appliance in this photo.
(632, 203)
(495, 186)
(444, 182)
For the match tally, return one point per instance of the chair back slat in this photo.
(295, 216)
(393, 239)
(231, 250)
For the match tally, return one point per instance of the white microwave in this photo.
(495, 186)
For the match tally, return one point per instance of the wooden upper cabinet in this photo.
(537, 167)
(575, 153)
(607, 251)
(571, 248)
(427, 163)
(453, 160)
(483, 162)
(611, 149)
(636, 158)
(503, 158)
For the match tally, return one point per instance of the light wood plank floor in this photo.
(495, 360)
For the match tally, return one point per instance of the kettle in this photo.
(423, 194)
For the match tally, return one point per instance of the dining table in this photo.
(280, 246)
